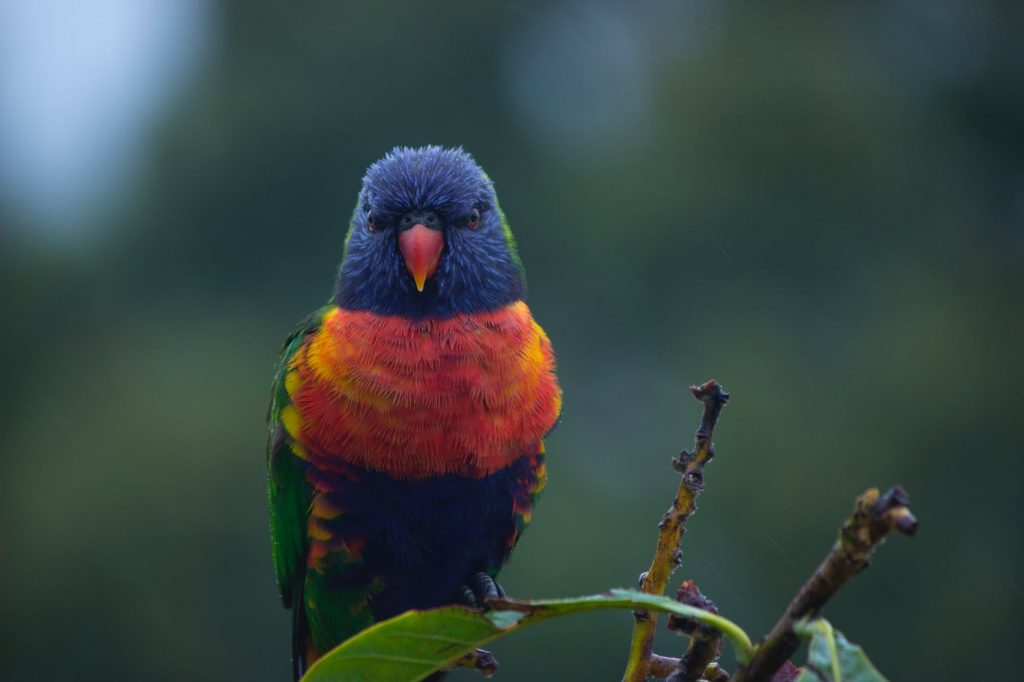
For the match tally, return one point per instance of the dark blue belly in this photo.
(425, 538)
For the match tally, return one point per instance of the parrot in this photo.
(408, 415)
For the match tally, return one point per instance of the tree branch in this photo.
(705, 642)
(873, 517)
(642, 662)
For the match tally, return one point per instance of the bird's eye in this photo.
(474, 219)
(371, 222)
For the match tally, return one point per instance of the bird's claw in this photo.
(479, 589)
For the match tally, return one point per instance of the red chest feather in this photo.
(415, 398)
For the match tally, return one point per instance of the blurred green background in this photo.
(820, 205)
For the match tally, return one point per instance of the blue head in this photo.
(428, 239)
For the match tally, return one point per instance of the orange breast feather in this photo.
(415, 398)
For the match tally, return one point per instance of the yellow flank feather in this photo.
(291, 420)
(292, 382)
(323, 509)
(542, 475)
(324, 353)
(317, 532)
(298, 450)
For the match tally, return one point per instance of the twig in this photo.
(668, 556)
(716, 673)
(663, 667)
(873, 517)
(705, 642)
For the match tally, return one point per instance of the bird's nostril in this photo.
(426, 217)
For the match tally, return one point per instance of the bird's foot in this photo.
(479, 589)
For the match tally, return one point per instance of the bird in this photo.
(408, 415)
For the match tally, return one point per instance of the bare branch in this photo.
(668, 556)
(663, 666)
(705, 642)
(873, 517)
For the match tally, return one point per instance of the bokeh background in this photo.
(821, 205)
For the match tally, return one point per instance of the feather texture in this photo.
(407, 419)
(416, 398)
(420, 447)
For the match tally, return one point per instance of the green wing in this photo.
(289, 493)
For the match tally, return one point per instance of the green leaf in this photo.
(832, 658)
(409, 647)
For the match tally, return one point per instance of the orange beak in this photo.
(421, 247)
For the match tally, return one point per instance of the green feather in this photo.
(288, 492)
(336, 614)
(333, 614)
(510, 240)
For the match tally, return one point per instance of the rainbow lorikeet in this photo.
(408, 415)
